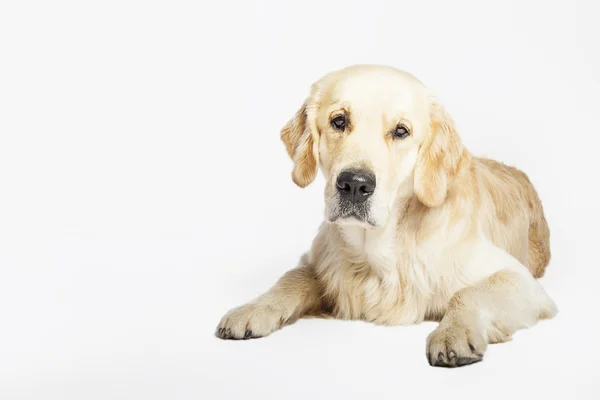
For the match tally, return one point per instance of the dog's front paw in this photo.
(454, 345)
(250, 321)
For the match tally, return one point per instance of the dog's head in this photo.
(378, 136)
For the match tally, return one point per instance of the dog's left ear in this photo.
(301, 140)
(439, 159)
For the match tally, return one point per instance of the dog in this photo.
(416, 228)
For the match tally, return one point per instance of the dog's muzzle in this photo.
(354, 190)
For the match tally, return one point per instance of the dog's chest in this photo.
(375, 280)
(366, 281)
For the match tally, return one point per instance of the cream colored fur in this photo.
(451, 237)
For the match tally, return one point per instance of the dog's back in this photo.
(517, 222)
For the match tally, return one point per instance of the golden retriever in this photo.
(416, 228)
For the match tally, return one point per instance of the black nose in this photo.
(355, 185)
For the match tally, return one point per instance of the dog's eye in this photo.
(339, 123)
(401, 132)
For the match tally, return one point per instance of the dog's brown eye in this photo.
(339, 123)
(401, 132)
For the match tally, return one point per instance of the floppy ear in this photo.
(301, 141)
(440, 157)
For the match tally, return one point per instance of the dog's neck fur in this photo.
(376, 247)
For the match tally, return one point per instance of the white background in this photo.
(144, 191)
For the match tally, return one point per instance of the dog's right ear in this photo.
(301, 139)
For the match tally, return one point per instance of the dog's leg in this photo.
(488, 312)
(294, 295)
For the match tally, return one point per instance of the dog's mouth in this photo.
(348, 212)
